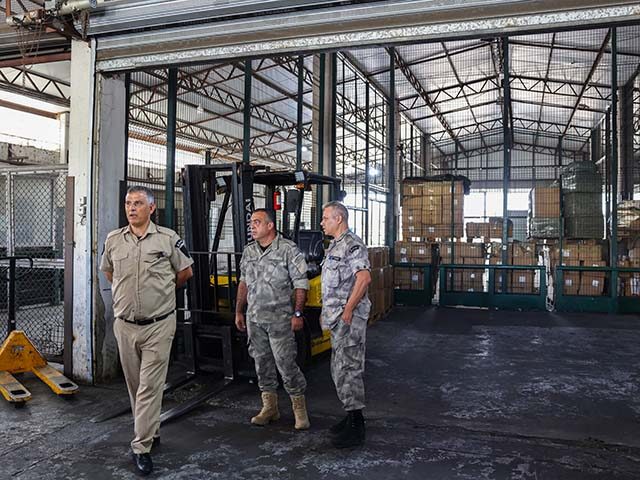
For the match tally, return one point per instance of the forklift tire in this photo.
(303, 343)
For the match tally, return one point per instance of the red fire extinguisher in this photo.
(277, 202)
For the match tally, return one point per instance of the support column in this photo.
(323, 117)
(391, 228)
(506, 174)
(110, 171)
(170, 171)
(63, 119)
(625, 140)
(80, 168)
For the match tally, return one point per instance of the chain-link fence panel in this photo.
(32, 211)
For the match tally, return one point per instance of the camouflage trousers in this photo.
(273, 346)
(347, 361)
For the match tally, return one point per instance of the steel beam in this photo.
(415, 83)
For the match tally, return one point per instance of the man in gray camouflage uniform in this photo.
(271, 268)
(346, 275)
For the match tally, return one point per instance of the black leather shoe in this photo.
(143, 463)
(156, 442)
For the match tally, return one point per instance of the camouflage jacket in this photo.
(345, 257)
(271, 276)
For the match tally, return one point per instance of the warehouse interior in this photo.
(494, 176)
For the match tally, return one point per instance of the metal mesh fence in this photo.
(33, 212)
(361, 149)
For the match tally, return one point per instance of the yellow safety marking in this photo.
(56, 381)
(12, 390)
(321, 344)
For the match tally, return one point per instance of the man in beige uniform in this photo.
(145, 264)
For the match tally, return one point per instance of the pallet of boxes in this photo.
(381, 287)
(411, 254)
(520, 254)
(431, 211)
(584, 229)
(581, 253)
(629, 234)
(464, 253)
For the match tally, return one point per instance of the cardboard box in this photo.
(592, 283)
(375, 257)
(525, 260)
(442, 231)
(377, 280)
(461, 250)
(571, 283)
(409, 278)
(522, 281)
(630, 284)
(412, 189)
(590, 253)
(412, 231)
(420, 252)
(413, 203)
(401, 252)
(387, 277)
(545, 202)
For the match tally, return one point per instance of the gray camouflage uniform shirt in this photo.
(345, 257)
(271, 276)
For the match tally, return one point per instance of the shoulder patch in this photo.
(180, 245)
(355, 248)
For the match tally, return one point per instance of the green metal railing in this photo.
(417, 297)
(610, 301)
(493, 297)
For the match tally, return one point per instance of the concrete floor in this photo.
(452, 394)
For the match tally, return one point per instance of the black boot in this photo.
(352, 435)
(338, 427)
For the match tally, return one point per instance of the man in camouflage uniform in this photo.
(145, 263)
(271, 268)
(346, 275)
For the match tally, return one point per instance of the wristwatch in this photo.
(297, 314)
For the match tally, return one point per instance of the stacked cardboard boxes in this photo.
(381, 287)
(518, 253)
(432, 210)
(464, 253)
(586, 253)
(630, 281)
(409, 278)
(414, 252)
(491, 229)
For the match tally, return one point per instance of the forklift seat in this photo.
(311, 244)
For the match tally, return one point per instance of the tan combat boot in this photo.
(300, 412)
(269, 412)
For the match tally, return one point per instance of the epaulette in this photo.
(117, 231)
(165, 230)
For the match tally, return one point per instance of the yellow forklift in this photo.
(213, 289)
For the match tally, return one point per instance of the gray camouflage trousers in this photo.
(273, 346)
(347, 362)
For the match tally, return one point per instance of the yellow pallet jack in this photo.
(19, 355)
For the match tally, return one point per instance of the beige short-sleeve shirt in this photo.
(144, 271)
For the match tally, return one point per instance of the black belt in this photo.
(148, 321)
